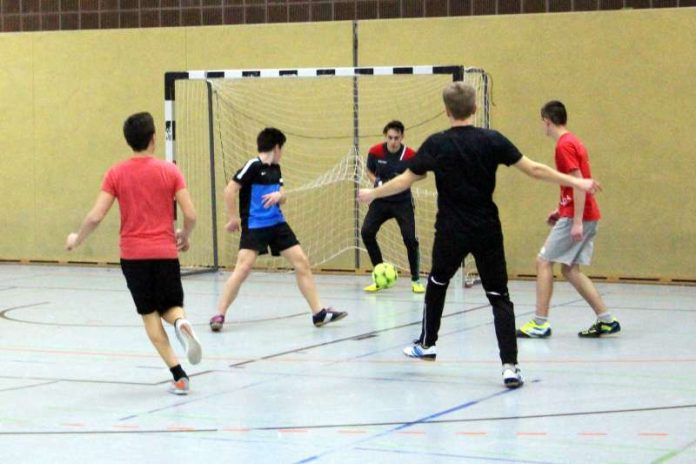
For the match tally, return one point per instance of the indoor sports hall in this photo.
(80, 381)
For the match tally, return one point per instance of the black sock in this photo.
(320, 316)
(178, 372)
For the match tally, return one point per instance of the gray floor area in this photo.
(79, 381)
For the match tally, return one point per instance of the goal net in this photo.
(331, 117)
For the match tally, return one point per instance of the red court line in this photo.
(653, 434)
(235, 430)
(177, 428)
(128, 427)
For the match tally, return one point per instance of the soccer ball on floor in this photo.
(384, 275)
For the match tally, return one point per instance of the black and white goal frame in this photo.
(456, 71)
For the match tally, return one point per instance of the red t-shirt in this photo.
(145, 188)
(571, 154)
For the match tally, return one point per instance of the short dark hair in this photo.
(396, 125)
(555, 112)
(138, 130)
(269, 138)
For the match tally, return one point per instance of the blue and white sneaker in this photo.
(512, 376)
(420, 352)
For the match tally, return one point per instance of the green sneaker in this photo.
(373, 288)
(533, 330)
(417, 287)
(600, 328)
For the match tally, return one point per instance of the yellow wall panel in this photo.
(308, 45)
(86, 83)
(627, 79)
(17, 207)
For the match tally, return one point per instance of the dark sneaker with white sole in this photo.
(326, 316)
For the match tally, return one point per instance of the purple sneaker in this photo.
(216, 322)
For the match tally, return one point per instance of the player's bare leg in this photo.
(243, 267)
(303, 274)
(305, 281)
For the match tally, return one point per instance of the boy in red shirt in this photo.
(145, 187)
(572, 237)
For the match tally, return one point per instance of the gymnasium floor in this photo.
(79, 381)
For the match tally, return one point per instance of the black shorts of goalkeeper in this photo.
(278, 238)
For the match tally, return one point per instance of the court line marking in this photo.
(352, 337)
(4, 312)
(673, 454)
(402, 426)
(481, 419)
(25, 387)
(451, 455)
(107, 432)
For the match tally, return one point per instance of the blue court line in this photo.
(406, 425)
(459, 456)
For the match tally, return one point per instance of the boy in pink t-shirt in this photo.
(145, 188)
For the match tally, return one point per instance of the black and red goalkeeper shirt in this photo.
(386, 165)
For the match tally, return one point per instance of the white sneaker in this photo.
(187, 338)
(180, 387)
(418, 351)
(512, 376)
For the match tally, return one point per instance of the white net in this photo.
(330, 123)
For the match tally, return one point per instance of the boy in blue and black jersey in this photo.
(259, 187)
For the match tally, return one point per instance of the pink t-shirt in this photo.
(145, 188)
(571, 154)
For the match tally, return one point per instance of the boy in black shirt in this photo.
(464, 159)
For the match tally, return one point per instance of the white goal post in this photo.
(331, 117)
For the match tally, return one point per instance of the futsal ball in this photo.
(384, 275)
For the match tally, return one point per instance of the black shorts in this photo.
(279, 237)
(155, 284)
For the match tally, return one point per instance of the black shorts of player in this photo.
(279, 237)
(155, 284)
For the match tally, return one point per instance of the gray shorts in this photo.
(561, 248)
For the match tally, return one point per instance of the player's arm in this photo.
(371, 176)
(274, 198)
(91, 221)
(232, 205)
(397, 185)
(579, 198)
(183, 199)
(371, 168)
(543, 172)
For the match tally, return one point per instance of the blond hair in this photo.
(460, 100)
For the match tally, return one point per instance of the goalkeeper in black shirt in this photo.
(384, 162)
(464, 159)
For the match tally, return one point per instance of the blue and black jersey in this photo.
(257, 179)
